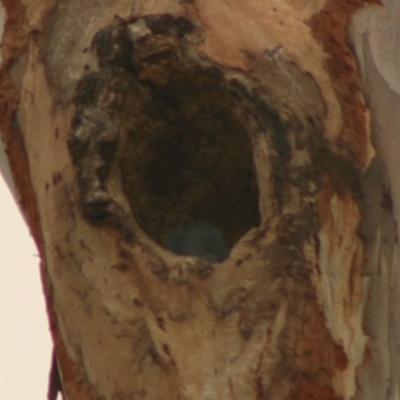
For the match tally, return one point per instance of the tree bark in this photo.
(121, 121)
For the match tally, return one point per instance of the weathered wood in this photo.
(122, 121)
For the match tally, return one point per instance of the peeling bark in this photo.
(246, 115)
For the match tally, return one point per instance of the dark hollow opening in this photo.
(186, 154)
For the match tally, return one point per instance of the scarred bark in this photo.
(122, 122)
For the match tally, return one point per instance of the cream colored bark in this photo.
(119, 125)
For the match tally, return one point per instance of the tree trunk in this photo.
(121, 121)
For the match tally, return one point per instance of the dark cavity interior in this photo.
(186, 153)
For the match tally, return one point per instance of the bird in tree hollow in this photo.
(197, 238)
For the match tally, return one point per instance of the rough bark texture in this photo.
(121, 121)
